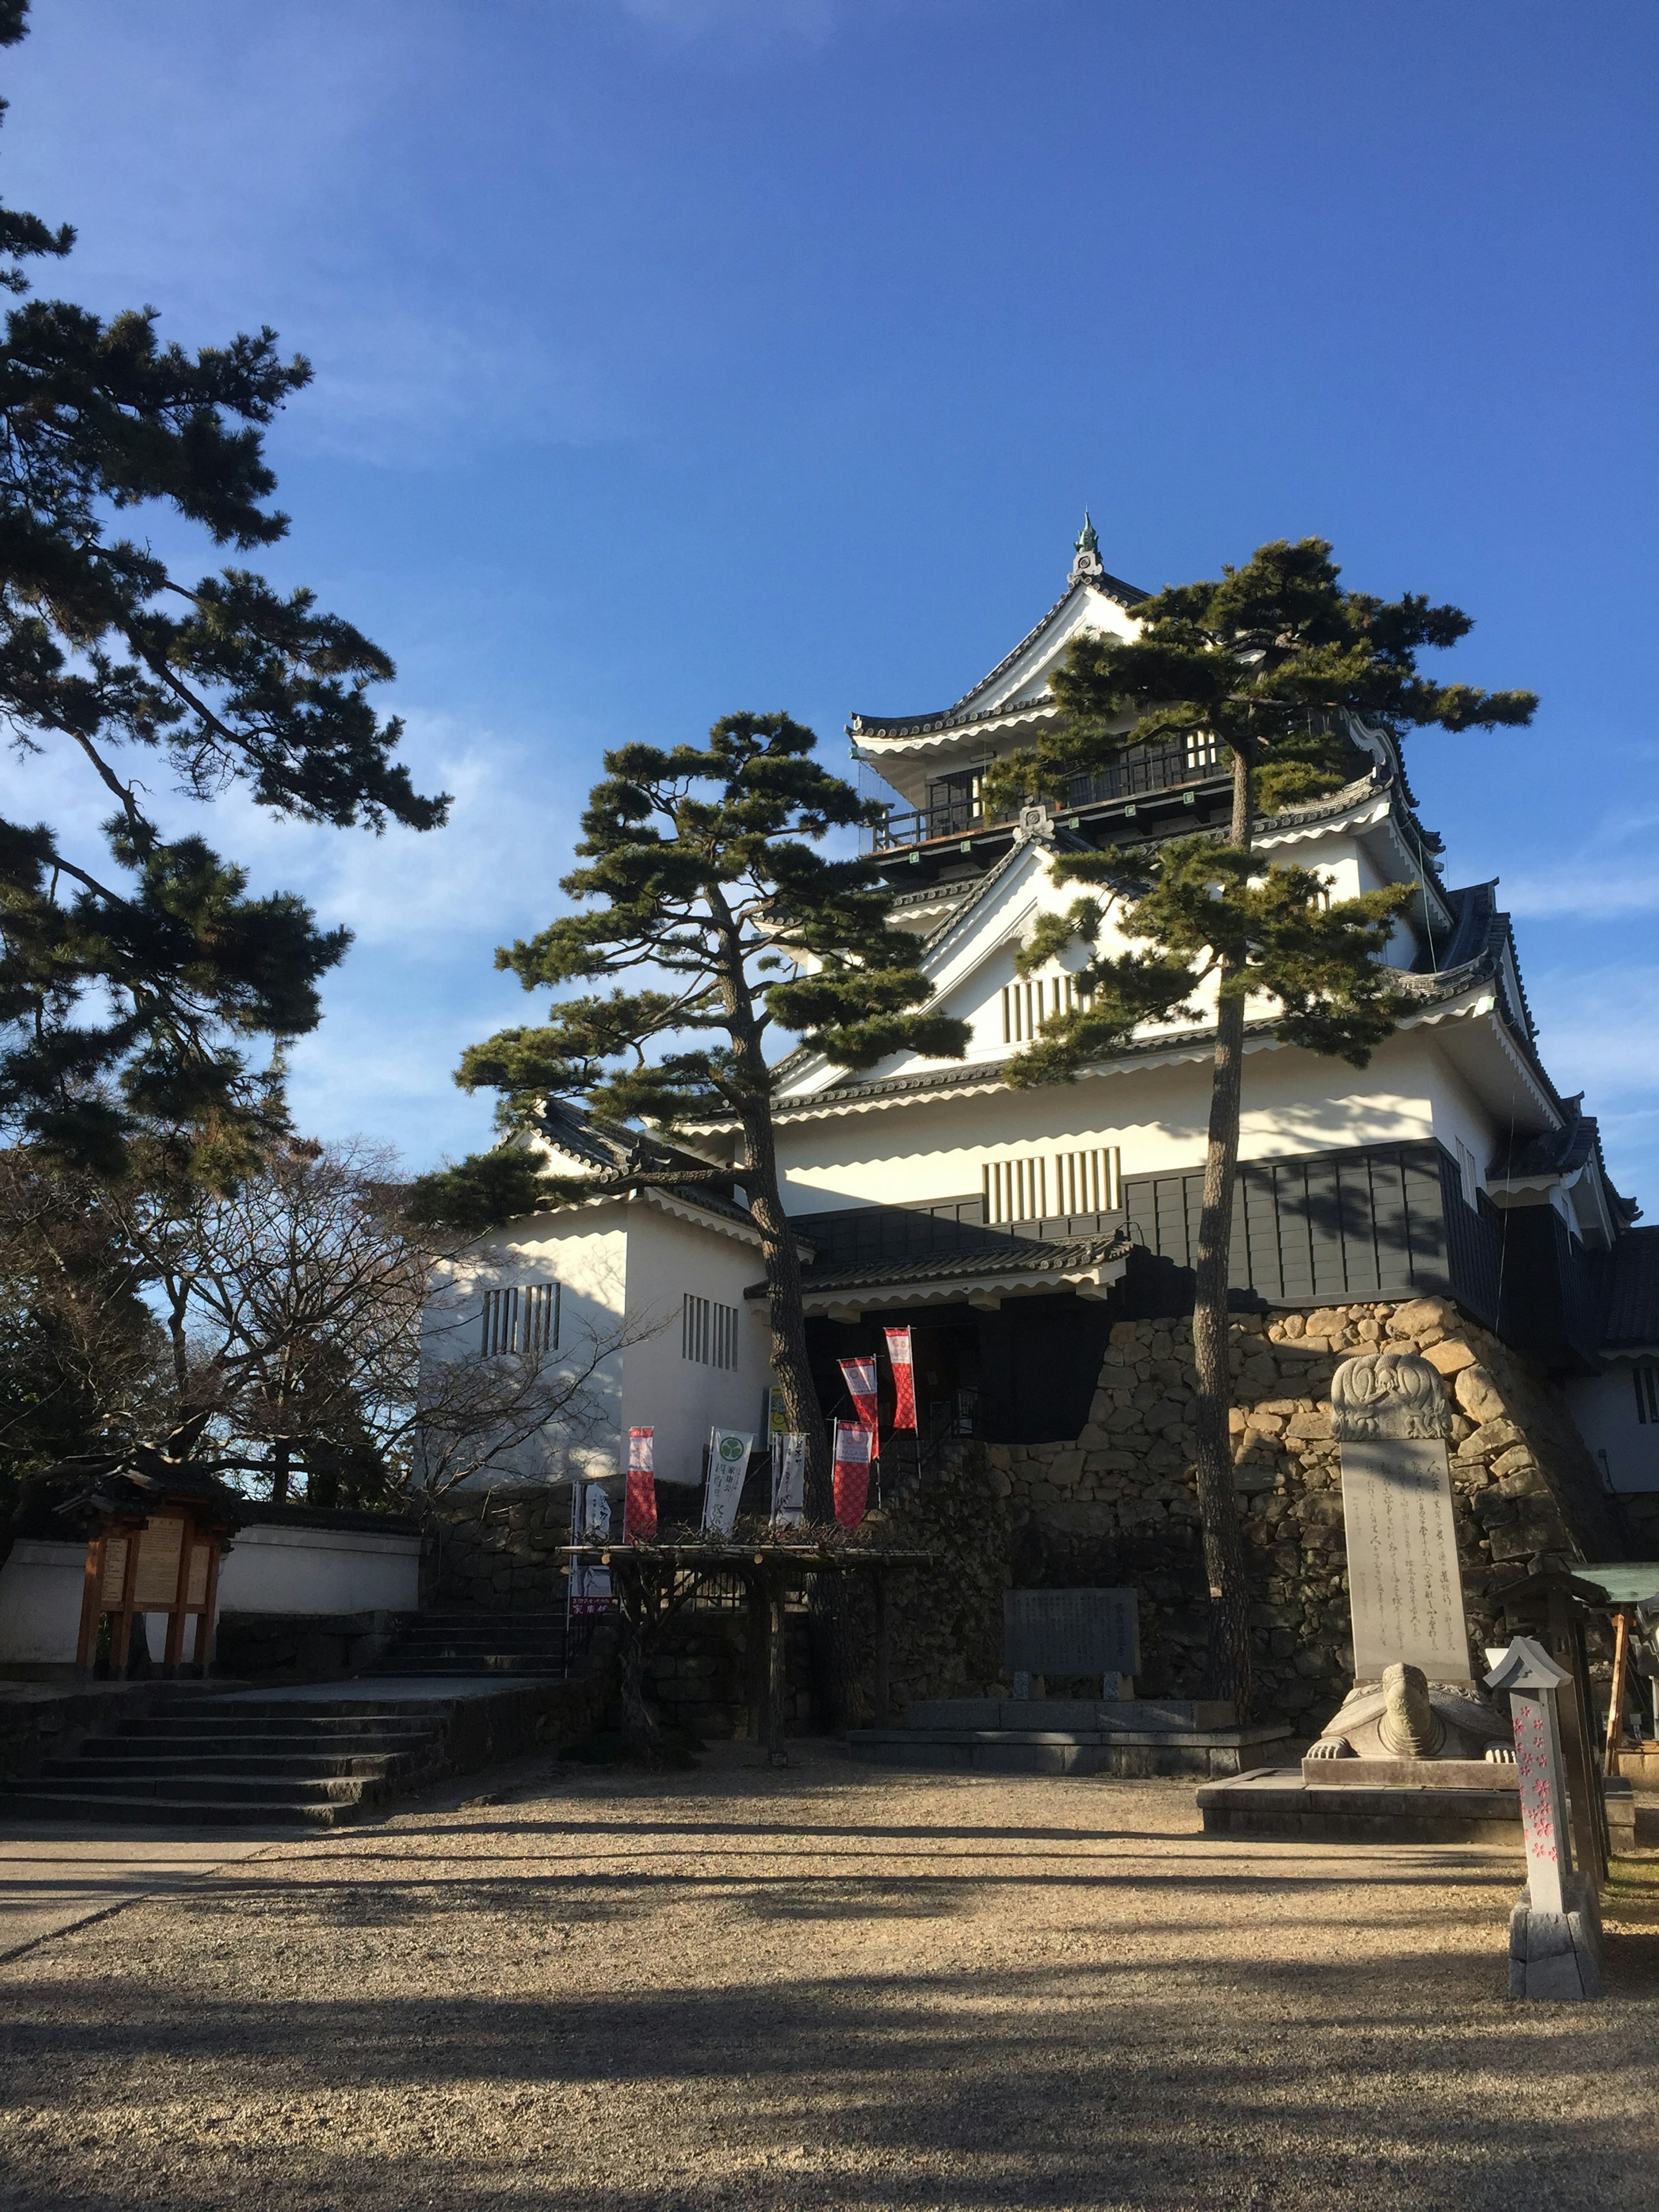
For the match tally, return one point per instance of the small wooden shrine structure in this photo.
(155, 1533)
(650, 1579)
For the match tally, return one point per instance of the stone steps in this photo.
(529, 1645)
(1070, 1735)
(257, 1762)
(168, 1811)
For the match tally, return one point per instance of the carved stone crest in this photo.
(1035, 821)
(1387, 1394)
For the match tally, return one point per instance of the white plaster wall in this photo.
(1604, 1407)
(585, 1252)
(273, 1569)
(625, 1259)
(40, 1590)
(679, 1398)
(1294, 1103)
(970, 970)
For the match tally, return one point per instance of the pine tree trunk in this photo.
(790, 1361)
(1228, 1663)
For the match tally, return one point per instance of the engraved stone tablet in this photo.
(1388, 1412)
(1071, 1632)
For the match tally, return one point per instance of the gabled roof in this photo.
(1087, 575)
(616, 1152)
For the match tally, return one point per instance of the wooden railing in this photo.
(1145, 768)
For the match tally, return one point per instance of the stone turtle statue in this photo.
(1407, 1716)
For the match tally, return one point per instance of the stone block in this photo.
(1515, 1461)
(1490, 1438)
(1419, 1315)
(1449, 1355)
(1312, 1421)
(1478, 1394)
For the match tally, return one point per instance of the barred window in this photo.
(708, 1332)
(1045, 1184)
(524, 1318)
(1026, 1006)
(1646, 1373)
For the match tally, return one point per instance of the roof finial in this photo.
(1086, 563)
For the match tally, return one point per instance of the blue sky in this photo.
(678, 355)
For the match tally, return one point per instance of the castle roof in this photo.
(1632, 1280)
(991, 699)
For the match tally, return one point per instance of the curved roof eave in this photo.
(1109, 586)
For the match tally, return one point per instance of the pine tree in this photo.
(1272, 663)
(129, 988)
(704, 878)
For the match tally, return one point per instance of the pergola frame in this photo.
(654, 1580)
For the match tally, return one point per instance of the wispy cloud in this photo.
(283, 214)
(492, 871)
(1610, 873)
(1599, 1031)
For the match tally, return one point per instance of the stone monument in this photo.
(1555, 1928)
(1414, 1714)
(1073, 1632)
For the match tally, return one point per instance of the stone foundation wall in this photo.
(496, 1551)
(1120, 1505)
(700, 1677)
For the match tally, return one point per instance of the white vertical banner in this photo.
(789, 1481)
(728, 1463)
(596, 1514)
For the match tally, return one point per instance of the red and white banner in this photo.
(904, 1378)
(640, 1506)
(859, 1377)
(851, 1472)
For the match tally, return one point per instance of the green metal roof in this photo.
(1624, 1584)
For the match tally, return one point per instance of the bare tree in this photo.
(291, 1334)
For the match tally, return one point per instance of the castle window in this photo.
(1027, 1003)
(1468, 1170)
(1045, 1185)
(524, 1318)
(708, 1332)
(1646, 1373)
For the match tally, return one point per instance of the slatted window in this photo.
(1469, 1171)
(1044, 1185)
(524, 1318)
(708, 1332)
(1646, 1372)
(1027, 1003)
(1202, 753)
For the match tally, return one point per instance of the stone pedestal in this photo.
(1557, 1955)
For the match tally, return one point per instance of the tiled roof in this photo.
(615, 1151)
(1010, 1255)
(1632, 1280)
(895, 726)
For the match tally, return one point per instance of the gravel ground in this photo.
(820, 1987)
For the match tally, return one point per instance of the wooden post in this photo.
(754, 1591)
(173, 1649)
(883, 1652)
(1589, 1812)
(1616, 1700)
(205, 1624)
(92, 1603)
(121, 1636)
(777, 1664)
